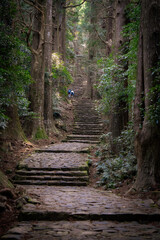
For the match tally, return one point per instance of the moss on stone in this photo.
(40, 134)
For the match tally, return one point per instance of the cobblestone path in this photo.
(79, 212)
(62, 206)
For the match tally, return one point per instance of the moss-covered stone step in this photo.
(50, 183)
(52, 178)
(83, 137)
(80, 168)
(81, 141)
(52, 173)
(87, 132)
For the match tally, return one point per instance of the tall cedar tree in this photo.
(119, 116)
(37, 70)
(48, 115)
(147, 138)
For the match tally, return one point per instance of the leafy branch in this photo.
(73, 6)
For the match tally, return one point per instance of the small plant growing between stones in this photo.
(89, 161)
(113, 169)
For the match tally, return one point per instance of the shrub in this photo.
(113, 169)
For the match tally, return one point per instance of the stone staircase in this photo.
(50, 168)
(51, 178)
(88, 126)
(61, 206)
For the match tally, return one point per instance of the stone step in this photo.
(83, 137)
(82, 141)
(87, 121)
(52, 173)
(87, 203)
(62, 151)
(65, 169)
(87, 118)
(50, 183)
(85, 128)
(83, 230)
(52, 178)
(90, 124)
(88, 127)
(60, 216)
(86, 111)
(87, 132)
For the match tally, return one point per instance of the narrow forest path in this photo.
(61, 205)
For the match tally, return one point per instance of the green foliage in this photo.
(130, 32)
(114, 169)
(73, 30)
(23, 106)
(118, 80)
(61, 74)
(154, 97)
(111, 84)
(14, 73)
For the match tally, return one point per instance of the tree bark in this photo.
(109, 28)
(59, 30)
(91, 53)
(14, 129)
(119, 115)
(147, 140)
(37, 72)
(48, 108)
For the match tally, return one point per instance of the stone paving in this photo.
(54, 161)
(77, 212)
(66, 146)
(84, 230)
(85, 200)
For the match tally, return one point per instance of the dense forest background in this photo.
(118, 45)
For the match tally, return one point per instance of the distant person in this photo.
(72, 93)
(69, 93)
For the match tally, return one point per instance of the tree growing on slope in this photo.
(147, 101)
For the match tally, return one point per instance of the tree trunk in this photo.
(48, 108)
(63, 32)
(14, 129)
(92, 52)
(119, 115)
(37, 73)
(147, 140)
(109, 28)
(59, 27)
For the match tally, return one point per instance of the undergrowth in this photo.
(115, 168)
